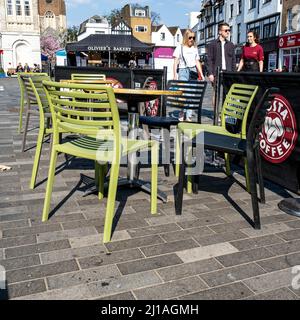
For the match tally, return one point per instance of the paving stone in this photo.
(285, 248)
(154, 221)
(14, 224)
(230, 227)
(242, 257)
(252, 243)
(110, 258)
(266, 229)
(80, 292)
(278, 294)
(123, 284)
(80, 277)
(26, 288)
(186, 234)
(141, 232)
(233, 274)
(296, 291)
(221, 237)
(293, 224)
(206, 252)
(59, 219)
(20, 262)
(65, 234)
(149, 264)
(78, 242)
(70, 253)
(121, 296)
(32, 230)
(270, 281)
(41, 271)
(1, 254)
(171, 289)
(228, 292)
(281, 262)
(203, 221)
(290, 235)
(36, 248)
(18, 241)
(188, 269)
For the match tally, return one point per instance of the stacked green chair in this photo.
(91, 112)
(23, 97)
(88, 76)
(245, 146)
(234, 117)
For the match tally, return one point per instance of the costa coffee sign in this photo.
(288, 41)
(279, 133)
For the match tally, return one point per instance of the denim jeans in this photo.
(184, 75)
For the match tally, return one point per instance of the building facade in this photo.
(139, 19)
(289, 41)
(52, 15)
(19, 33)
(93, 25)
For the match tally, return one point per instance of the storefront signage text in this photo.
(96, 48)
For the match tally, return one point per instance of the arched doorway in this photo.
(23, 53)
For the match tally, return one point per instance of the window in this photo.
(140, 13)
(252, 4)
(210, 32)
(140, 28)
(240, 7)
(269, 30)
(163, 36)
(266, 1)
(289, 20)
(201, 35)
(9, 7)
(178, 39)
(49, 15)
(27, 8)
(18, 8)
(221, 9)
(231, 10)
(238, 38)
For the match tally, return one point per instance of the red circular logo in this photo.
(152, 106)
(279, 133)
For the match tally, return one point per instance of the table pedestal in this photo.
(290, 206)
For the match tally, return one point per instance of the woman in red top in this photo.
(252, 58)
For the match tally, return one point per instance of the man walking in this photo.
(220, 53)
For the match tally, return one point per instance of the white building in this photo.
(93, 25)
(193, 19)
(19, 33)
(166, 39)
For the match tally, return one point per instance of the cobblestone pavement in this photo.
(210, 252)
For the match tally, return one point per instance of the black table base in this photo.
(290, 206)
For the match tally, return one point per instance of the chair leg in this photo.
(260, 177)
(37, 157)
(21, 114)
(253, 188)
(110, 207)
(189, 169)
(25, 131)
(177, 154)
(99, 179)
(227, 164)
(247, 175)
(179, 195)
(49, 187)
(154, 175)
(166, 151)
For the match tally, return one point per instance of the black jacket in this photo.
(214, 56)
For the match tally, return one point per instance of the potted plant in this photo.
(2, 73)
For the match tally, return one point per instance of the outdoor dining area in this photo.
(115, 203)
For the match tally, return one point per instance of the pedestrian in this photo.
(220, 53)
(187, 65)
(252, 58)
(36, 68)
(26, 68)
(19, 68)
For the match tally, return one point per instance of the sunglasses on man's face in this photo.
(226, 30)
(192, 38)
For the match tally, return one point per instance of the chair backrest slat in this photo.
(191, 98)
(83, 108)
(89, 76)
(236, 107)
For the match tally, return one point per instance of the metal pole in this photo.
(109, 58)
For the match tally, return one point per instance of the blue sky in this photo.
(172, 12)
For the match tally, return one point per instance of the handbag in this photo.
(193, 75)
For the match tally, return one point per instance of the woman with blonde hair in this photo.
(187, 64)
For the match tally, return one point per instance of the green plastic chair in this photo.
(91, 111)
(234, 118)
(23, 98)
(88, 76)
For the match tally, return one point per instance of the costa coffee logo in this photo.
(279, 133)
(281, 42)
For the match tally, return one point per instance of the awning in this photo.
(110, 42)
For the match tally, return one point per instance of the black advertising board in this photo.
(279, 139)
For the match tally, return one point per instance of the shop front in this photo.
(110, 50)
(289, 52)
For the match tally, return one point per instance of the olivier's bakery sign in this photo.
(107, 48)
